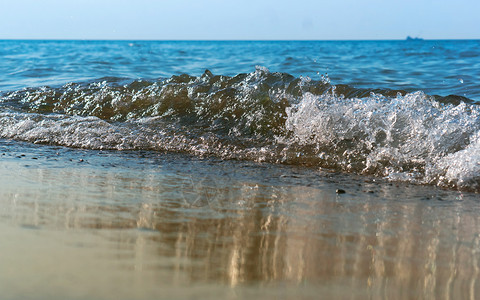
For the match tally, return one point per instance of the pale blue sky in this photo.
(243, 20)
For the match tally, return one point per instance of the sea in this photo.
(235, 169)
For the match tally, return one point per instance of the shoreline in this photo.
(116, 225)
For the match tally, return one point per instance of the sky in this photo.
(239, 20)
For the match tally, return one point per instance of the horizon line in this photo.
(414, 39)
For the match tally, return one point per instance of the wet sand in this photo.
(78, 224)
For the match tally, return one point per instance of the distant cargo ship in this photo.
(409, 38)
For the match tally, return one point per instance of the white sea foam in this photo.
(409, 137)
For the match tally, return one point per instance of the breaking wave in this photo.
(260, 116)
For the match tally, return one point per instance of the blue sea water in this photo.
(435, 67)
(401, 110)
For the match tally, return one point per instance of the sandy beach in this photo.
(82, 224)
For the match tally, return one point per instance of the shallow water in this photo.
(129, 171)
(120, 225)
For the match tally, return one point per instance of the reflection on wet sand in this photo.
(226, 230)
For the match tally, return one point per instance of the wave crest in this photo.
(260, 116)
